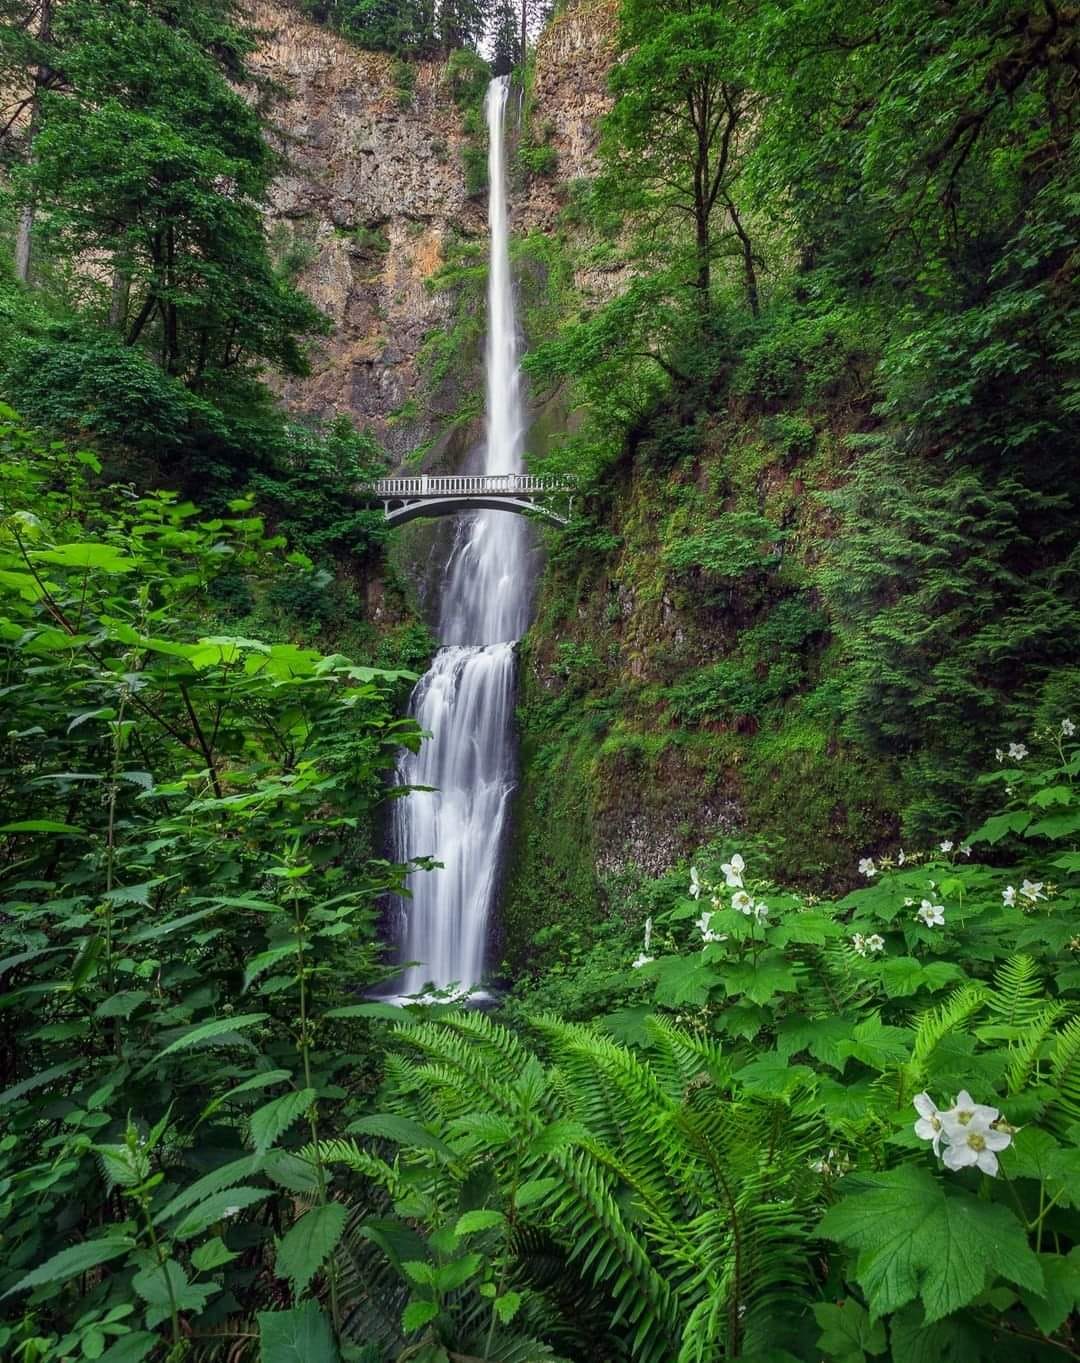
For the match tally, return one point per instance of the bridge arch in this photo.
(522, 494)
(448, 506)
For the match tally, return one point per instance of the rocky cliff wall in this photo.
(375, 187)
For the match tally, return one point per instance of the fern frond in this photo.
(1064, 1109)
(1025, 1052)
(1018, 993)
(934, 1025)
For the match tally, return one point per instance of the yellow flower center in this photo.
(976, 1141)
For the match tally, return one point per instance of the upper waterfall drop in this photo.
(466, 699)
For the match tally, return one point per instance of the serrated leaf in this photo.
(1050, 1308)
(264, 960)
(470, 1222)
(69, 1263)
(914, 1239)
(219, 1207)
(302, 1335)
(418, 1314)
(219, 1031)
(212, 1255)
(225, 1176)
(302, 1251)
(507, 1306)
(273, 1119)
(847, 1331)
(402, 1131)
(121, 1005)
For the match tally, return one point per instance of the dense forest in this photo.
(801, 1082)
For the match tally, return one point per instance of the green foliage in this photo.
(186, 902)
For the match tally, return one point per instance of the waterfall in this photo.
(466, 699)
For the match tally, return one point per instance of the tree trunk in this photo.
(704, 256)
(749, 269)
(118, 300)
(25, 231)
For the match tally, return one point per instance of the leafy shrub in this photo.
(731, 690)
(738, 543)
(188, 910)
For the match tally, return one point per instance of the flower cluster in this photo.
(971, 1132)
(868, 946)
(1017, 751)
(1028, 895)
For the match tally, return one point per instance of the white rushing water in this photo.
(466, 699)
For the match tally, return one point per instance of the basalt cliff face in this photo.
(375, 187)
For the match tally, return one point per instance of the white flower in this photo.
(1031, 890)
(901, 857)
(875, 942)
(640, 960)
(743, 902)
(965, 850)
(933, 915)
(733, 872)
(707, 934)
(976, 1145)
(966, 1112)
(1018, 751)
(859, 943)
(930, 1126)
(999, 754)
(909, 903)
(648, 932)
(715, 901)
(695, 883)
(867, 868)
(1068, 728)
(947, 845)
(1008, 896)
(761, 911)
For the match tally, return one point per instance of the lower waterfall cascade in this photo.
(466, 698)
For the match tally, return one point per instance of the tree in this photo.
(680, 125)
(155, 167)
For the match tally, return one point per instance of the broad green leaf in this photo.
(449, 1277)
(914, 1238)
(403, 1131)
(418, 1314)
(42, 826)
(847, 1332)
(121, 1005)
(69, 1263)
(225, 1176)
(211, 1255)
(994, 829)
(257, 1081)
(303, 1250)
(219, 1207)
(384, 1011)
(952, 1340)
(265, 959)
(219, 1031)
(104, 557)
(1061, 1297)
(507, 1306)
(772, 1076)
(479, 1220)
(39, 1080)
(131, 1348)
(163, 1285)
(274, 1118)
(880, 1046)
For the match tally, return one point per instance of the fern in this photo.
(1018, 994)
(1064, 1108)
(934, 1025)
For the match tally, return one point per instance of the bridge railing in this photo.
(459, 485)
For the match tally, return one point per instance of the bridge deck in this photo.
(462, 485)
(443, 494)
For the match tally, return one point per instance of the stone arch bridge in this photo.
(525, 494)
